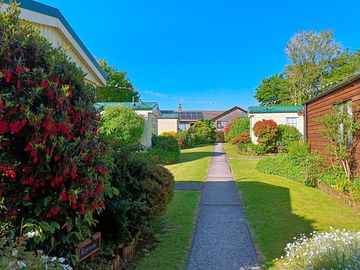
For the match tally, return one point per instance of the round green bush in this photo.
(145, 189)
(237, 127)
(122, 125)
(287, 135)
(165, 148)
(203, 132)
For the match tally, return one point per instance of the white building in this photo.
(54, 27)
(168, 122)
(282, 115)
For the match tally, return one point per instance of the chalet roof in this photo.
(138, 106)
(275, 109)
(334, 88)
(54, 12)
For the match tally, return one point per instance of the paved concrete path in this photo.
(189, 185)
(222, 239)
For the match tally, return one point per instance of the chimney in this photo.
(180, 108)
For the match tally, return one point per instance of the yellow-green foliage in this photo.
(122, 125)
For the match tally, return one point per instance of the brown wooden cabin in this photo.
(345, 93)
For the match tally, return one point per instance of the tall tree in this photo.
(313, 55)
(118, 87)
(274, 91)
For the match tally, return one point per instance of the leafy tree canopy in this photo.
(118, 87)
(317, 63)
(274, 91)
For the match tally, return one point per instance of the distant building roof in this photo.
(195, 115)
(168, 114)
(191, 115)
(275, 109)
(54, 12)
(139, 106)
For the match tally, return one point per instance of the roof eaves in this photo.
(54, 12)
(228, 111)
(334, 88)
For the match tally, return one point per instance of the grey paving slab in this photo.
(222, 239)
(189, 185)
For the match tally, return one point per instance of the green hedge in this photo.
(281, 166)
(145, 189)
(165, 148)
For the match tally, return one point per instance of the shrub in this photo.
(15, 256)
(281, 166)
(313, 170)
(122, 125)
(204, 132)
(298, 152)
(220, 137)
(145, 188)
(166, 148)
(355, 189)
(287, 135)
(243, 138)
(180, 136)
(267, 133)
(52, 162)
(337, 249)
(258, 149)
(184, 139)
(237, 127)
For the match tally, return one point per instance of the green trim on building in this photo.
(275, 109)
(138, 106)
(54, 12)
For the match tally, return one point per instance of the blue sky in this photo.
(205, 54)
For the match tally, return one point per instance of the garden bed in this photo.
(341, 196)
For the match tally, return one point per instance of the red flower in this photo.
(27, 198)
(19, 70)
(3, 127)
(73, 173)
(44, 84)
(10, 173)
(7, 75)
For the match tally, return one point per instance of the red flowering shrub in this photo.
(241, 138)
(267, 133)
(52, 163)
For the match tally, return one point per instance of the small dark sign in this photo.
(89, 247)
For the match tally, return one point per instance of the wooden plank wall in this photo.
(324, 105)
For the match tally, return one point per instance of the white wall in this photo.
(151, 126)
(279, 118)
(167, 125)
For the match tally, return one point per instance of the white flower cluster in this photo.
(48, 260)
(337, 249)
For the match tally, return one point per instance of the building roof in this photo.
(334, 88)
(275, 109)
(227, 112)
(54, 12)
(138, 106)
(195, 115)
(168, 114)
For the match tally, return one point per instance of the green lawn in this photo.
(193, 164)
(278, 209)
(174, 238)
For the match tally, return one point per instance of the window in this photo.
(291, 121)
(346, 107)
(182, 126)
(222, 124)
